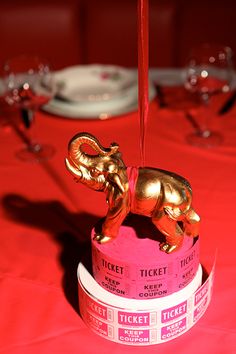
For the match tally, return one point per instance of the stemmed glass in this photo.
(209, 72)
(28, 84)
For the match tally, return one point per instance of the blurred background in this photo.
(89, 31)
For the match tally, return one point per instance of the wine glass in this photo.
(209, 72)
(28, 84)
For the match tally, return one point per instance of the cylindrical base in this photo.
(134, 267)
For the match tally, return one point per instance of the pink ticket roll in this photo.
(138, 322)
(135, 267)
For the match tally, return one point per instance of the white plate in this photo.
(168, 76)
(88, 83)
(175, 77)
(108, 91)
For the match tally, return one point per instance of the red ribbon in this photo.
(143, 30)
(132, 175)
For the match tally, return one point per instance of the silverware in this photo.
(58, 97)
(160, 96)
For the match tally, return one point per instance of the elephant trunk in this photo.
(80, 157)
(75, 171)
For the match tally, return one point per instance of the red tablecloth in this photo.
(46, 221)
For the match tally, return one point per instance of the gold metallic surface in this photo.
(161, 195)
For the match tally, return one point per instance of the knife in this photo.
(160, 96)
(228, 104)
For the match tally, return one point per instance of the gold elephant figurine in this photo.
(163, 196)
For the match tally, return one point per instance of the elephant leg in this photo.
(191, 223)
(172, 231)
(114, 218)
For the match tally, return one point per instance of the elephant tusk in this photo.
(114, 177)
(73, 170)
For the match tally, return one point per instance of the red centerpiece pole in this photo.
(143, 30)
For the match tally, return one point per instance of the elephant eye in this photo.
(94, 172)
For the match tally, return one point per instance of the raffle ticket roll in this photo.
(135, 267)
(138, 322)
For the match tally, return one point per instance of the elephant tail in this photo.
(192, 223)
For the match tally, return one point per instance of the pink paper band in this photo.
(135, 267)
(138, 322)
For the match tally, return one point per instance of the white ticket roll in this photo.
(142, 322)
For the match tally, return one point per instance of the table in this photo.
(46, 221)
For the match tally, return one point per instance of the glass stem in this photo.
(27, 118)
(205, 129)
